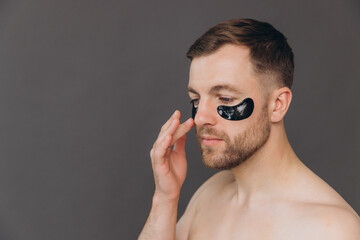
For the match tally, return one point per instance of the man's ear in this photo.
(280, 102)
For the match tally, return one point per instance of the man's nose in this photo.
(206, 114)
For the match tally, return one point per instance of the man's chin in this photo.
(217, 161)
(219, 165)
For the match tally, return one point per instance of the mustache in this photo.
(211, 131)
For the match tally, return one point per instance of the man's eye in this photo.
(194, 101)
(226, 100)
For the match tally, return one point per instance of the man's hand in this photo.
(169, 164)
(169, 167)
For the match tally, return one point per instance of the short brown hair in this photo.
(270, 53)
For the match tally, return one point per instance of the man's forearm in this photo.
(161, 223)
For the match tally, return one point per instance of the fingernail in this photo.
(188, 122)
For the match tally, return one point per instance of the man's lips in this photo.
(209, 140)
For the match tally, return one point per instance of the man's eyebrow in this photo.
(226, 87)
(218, 88)
(191, 90)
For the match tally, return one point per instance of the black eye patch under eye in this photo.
(194, 111)
(239, 112)
(235, 113)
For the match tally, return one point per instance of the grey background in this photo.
(86, 85)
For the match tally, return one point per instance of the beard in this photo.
(243, 146)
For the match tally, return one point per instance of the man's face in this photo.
(226, 78)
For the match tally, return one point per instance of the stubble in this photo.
(243, 146)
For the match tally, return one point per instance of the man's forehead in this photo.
(229, 68)
(227, 56)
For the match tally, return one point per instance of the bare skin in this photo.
(169, 167)
(271, 195)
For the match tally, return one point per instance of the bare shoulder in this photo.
(209, 187)
(324, 214)
(341, 223)
(323, 221)
(327, 218)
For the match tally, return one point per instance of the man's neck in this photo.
(270, 170)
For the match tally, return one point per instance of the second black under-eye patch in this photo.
(234, 113)
(238, 112)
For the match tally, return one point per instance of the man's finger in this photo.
(160, 151)
(179, 145)
(162, 134)
(175, 115)
(182, 130)
(169, 131)
(168, 124)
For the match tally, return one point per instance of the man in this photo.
(240, 78)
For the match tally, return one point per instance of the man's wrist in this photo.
(160, 198)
